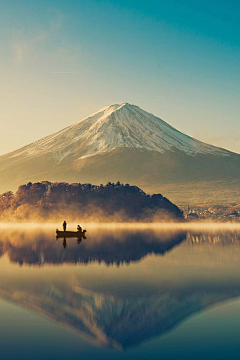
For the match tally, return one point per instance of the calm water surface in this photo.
(120, 294)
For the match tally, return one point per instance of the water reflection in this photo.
(79, 239)
(64, 243)
(110, 247)
(120, 306)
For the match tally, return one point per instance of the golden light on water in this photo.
(211, 226)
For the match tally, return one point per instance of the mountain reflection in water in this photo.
(141, 295)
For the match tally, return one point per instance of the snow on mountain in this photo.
(112, 127)
(124, 143)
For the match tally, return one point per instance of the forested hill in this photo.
(46, 201)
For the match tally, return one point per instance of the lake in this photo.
(125, 292)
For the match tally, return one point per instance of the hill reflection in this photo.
(109, 247)
(122, 306)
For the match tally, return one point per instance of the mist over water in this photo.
(168, 226)
(124, 292)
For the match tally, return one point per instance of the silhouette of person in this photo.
(64, 243)
(79, 228)
(64, 225)
(79, 240)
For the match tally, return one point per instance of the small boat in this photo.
(65, 234)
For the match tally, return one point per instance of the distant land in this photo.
(46, 201)
(123, 142)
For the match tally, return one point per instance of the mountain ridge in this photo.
(93, 135)
(119, 142)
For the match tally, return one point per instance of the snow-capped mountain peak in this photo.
(117, 126)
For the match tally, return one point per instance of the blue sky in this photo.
(62, 60)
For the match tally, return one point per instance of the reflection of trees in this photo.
(1, 249)
(123, 320)
(213, 238)
(110, 248)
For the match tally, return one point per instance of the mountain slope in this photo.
(119, 142)
(116, 126)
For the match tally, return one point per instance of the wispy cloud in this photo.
(23, 46)
(45, 49)
(20, 48)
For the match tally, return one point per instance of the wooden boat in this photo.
(65, 234)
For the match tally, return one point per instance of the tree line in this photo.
(111, 202)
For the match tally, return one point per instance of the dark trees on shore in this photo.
(114, 200)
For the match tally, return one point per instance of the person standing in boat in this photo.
(64, 225)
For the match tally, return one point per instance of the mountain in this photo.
(125, 143)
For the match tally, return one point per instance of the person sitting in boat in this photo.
(64, 225)
(79, 228)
